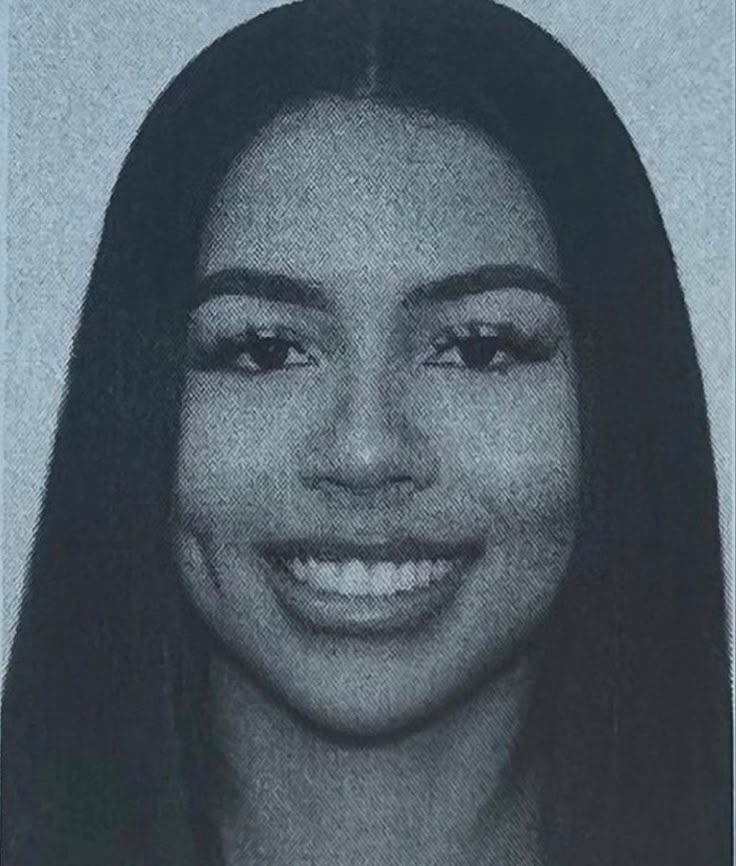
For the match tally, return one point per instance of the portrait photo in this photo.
(368, 433)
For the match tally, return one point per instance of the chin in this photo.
(365, 705)
(363, 718)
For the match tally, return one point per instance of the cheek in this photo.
(234, 461)
(511, 455)
(511, 458)
(513, 446)
(231, 488)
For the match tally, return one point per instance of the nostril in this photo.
(357, 455)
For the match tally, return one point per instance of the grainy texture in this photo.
(83, 73)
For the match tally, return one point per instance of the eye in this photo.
(482, 348)
(257, 352)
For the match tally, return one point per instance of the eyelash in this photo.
(226, 351)
(470, 342)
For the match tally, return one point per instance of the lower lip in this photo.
(362, 615)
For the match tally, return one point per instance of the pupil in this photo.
(478, 352)
(269, 353)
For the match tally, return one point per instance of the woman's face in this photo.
(378, 471)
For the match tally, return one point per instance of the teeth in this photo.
(299, 569)
(439, 569)
(355, 577)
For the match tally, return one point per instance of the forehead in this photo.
(350, 193)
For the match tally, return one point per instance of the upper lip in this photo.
(381, 550)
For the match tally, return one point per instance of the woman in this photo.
(381, 524)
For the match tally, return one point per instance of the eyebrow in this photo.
(255, 283)
(285, 289)
(487, 278)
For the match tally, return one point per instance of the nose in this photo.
(366, 446)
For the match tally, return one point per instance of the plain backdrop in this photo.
(82, 73)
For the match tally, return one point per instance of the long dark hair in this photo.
(105, 707)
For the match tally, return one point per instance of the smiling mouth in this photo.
(380, 568)
(356, 577)
(367, 589)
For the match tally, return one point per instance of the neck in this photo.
(442, 794)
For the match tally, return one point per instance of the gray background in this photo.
(83, 72)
